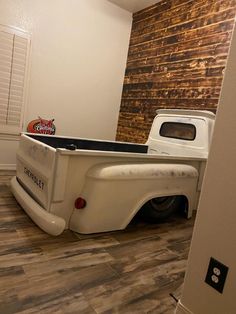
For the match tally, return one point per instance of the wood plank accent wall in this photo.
(177, 55)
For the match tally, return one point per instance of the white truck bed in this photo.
(49, 180)
(113, 179)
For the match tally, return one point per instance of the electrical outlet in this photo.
(216, 275)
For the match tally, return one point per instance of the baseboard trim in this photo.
(181, 309)
(7, 166)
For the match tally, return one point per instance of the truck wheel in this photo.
(160, 208)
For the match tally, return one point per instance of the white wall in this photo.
(215, 227)
(78, 58)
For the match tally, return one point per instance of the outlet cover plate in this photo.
(216, 275)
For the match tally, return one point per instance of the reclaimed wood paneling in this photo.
(177, 56)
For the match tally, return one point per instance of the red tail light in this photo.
(80, 203)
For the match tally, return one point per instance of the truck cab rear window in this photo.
(182, 131)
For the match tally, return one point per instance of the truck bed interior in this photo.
(77, 143)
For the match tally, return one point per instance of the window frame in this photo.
(179, 123)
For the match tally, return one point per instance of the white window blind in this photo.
(14, 53)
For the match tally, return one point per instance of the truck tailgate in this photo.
(35, 169)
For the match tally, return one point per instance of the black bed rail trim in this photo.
(69, 143)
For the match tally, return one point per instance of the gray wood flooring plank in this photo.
(129, 271)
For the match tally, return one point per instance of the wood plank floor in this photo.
(130, 271)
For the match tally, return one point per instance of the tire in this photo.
(160, 208)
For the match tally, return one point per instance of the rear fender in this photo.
(116, 192)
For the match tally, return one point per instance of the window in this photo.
(182, 131)
(14, 54)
